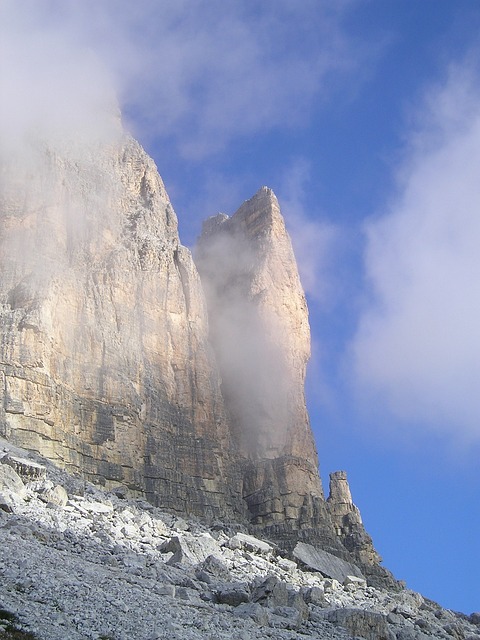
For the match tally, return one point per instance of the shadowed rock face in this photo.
(110, 365)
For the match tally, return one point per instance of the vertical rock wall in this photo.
(261, 336)
(105, 362)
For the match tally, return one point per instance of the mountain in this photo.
(122, 362)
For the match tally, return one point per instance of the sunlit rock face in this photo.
(260, 332)
(119, 363)
(106, 366)
(259, 326)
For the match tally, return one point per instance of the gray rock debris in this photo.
(99, 565)
(25, 467)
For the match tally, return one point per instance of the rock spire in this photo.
(260, 333)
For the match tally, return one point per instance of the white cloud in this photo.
(53, 86)
(199, 72)
(416, 355)
(209, 71)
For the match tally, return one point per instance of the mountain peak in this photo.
(126, 364)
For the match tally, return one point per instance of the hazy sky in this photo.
(364, 117)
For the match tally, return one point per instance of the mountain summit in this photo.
(121, 363)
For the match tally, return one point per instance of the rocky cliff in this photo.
(119, 363)
(105, 362)
(260, 332)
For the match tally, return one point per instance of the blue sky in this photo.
(364, 117)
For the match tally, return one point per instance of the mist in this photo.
(258, 325)
(55, 89)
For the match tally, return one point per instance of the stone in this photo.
(361, 623)
(405, 611)
(55, 495)
(10, 482)
(454, 629)
(355, 582)
(271, 592)
(6, 503)
(212, 568)
(290, 618)
(188, 549)
(297, 602)
(166, 590)
(315, 595)
(250, 543)
(287, 565)
(24, 467)
(395, 618)
(233, 595)
(254, 611)
(328, 565)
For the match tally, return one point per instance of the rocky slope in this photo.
(80, 563)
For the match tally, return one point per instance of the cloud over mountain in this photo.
(199, 73)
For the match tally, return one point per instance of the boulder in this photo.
(327, 564)
(54, 494)
(254, 611)
(271, 592)
(189, 549)
(233, 595)
(6, 503)
(11, 488)
(315, 595)
(354, 582)
(212, 569)
(250, 543)
(25, 467)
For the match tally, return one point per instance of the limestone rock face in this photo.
(106, 367)
(261, 336)
(119, 363)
